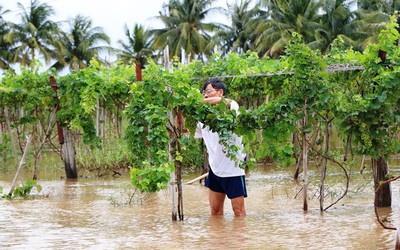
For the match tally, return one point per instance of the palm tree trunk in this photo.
(138, 72)
(65, 139)
(380, 170)
(68, 151)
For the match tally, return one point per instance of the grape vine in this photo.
(272, 95)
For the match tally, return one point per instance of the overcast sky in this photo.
(111, 15)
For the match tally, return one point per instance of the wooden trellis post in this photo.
(176, 177)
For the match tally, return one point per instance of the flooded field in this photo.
(93, 213)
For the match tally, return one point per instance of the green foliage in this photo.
(150, 178)
(248, 89)
(153, 101)
(370, 112)
(5, 150)
(23, 190)
(308, 72)
(222, 120)
(191, 152)
(274, 95)
(27, 96)
(83, 90)
(113, 155)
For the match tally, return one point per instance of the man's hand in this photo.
(217, 99)
(212, 100)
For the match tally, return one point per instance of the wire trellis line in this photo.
(330, 69)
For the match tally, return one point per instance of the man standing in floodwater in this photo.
(224, 177)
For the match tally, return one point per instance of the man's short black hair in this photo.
(216, 84)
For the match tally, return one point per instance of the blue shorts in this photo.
(233, 187)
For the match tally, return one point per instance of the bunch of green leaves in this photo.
(370, 112)
(154, 103)
(27, 96)
(191, 152)
(222, 120)
(80, 91)
(308, 72)
(23, 190)
(30, 88)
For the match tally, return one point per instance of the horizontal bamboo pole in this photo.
(197, 179)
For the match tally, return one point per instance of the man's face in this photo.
(211, 92)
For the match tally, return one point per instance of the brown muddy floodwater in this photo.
(92, 213)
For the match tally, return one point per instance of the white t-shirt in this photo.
(220, 164)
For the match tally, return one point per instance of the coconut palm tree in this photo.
(370, 18)
(387, 6)
(185, 27)
(240, 36)
(138, 46)
(35, 33)
(368, 26)
(5, 44)
(137, 49)
(288, 16)
(337, 21)
(80, 44)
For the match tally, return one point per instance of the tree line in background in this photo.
(261, 26)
